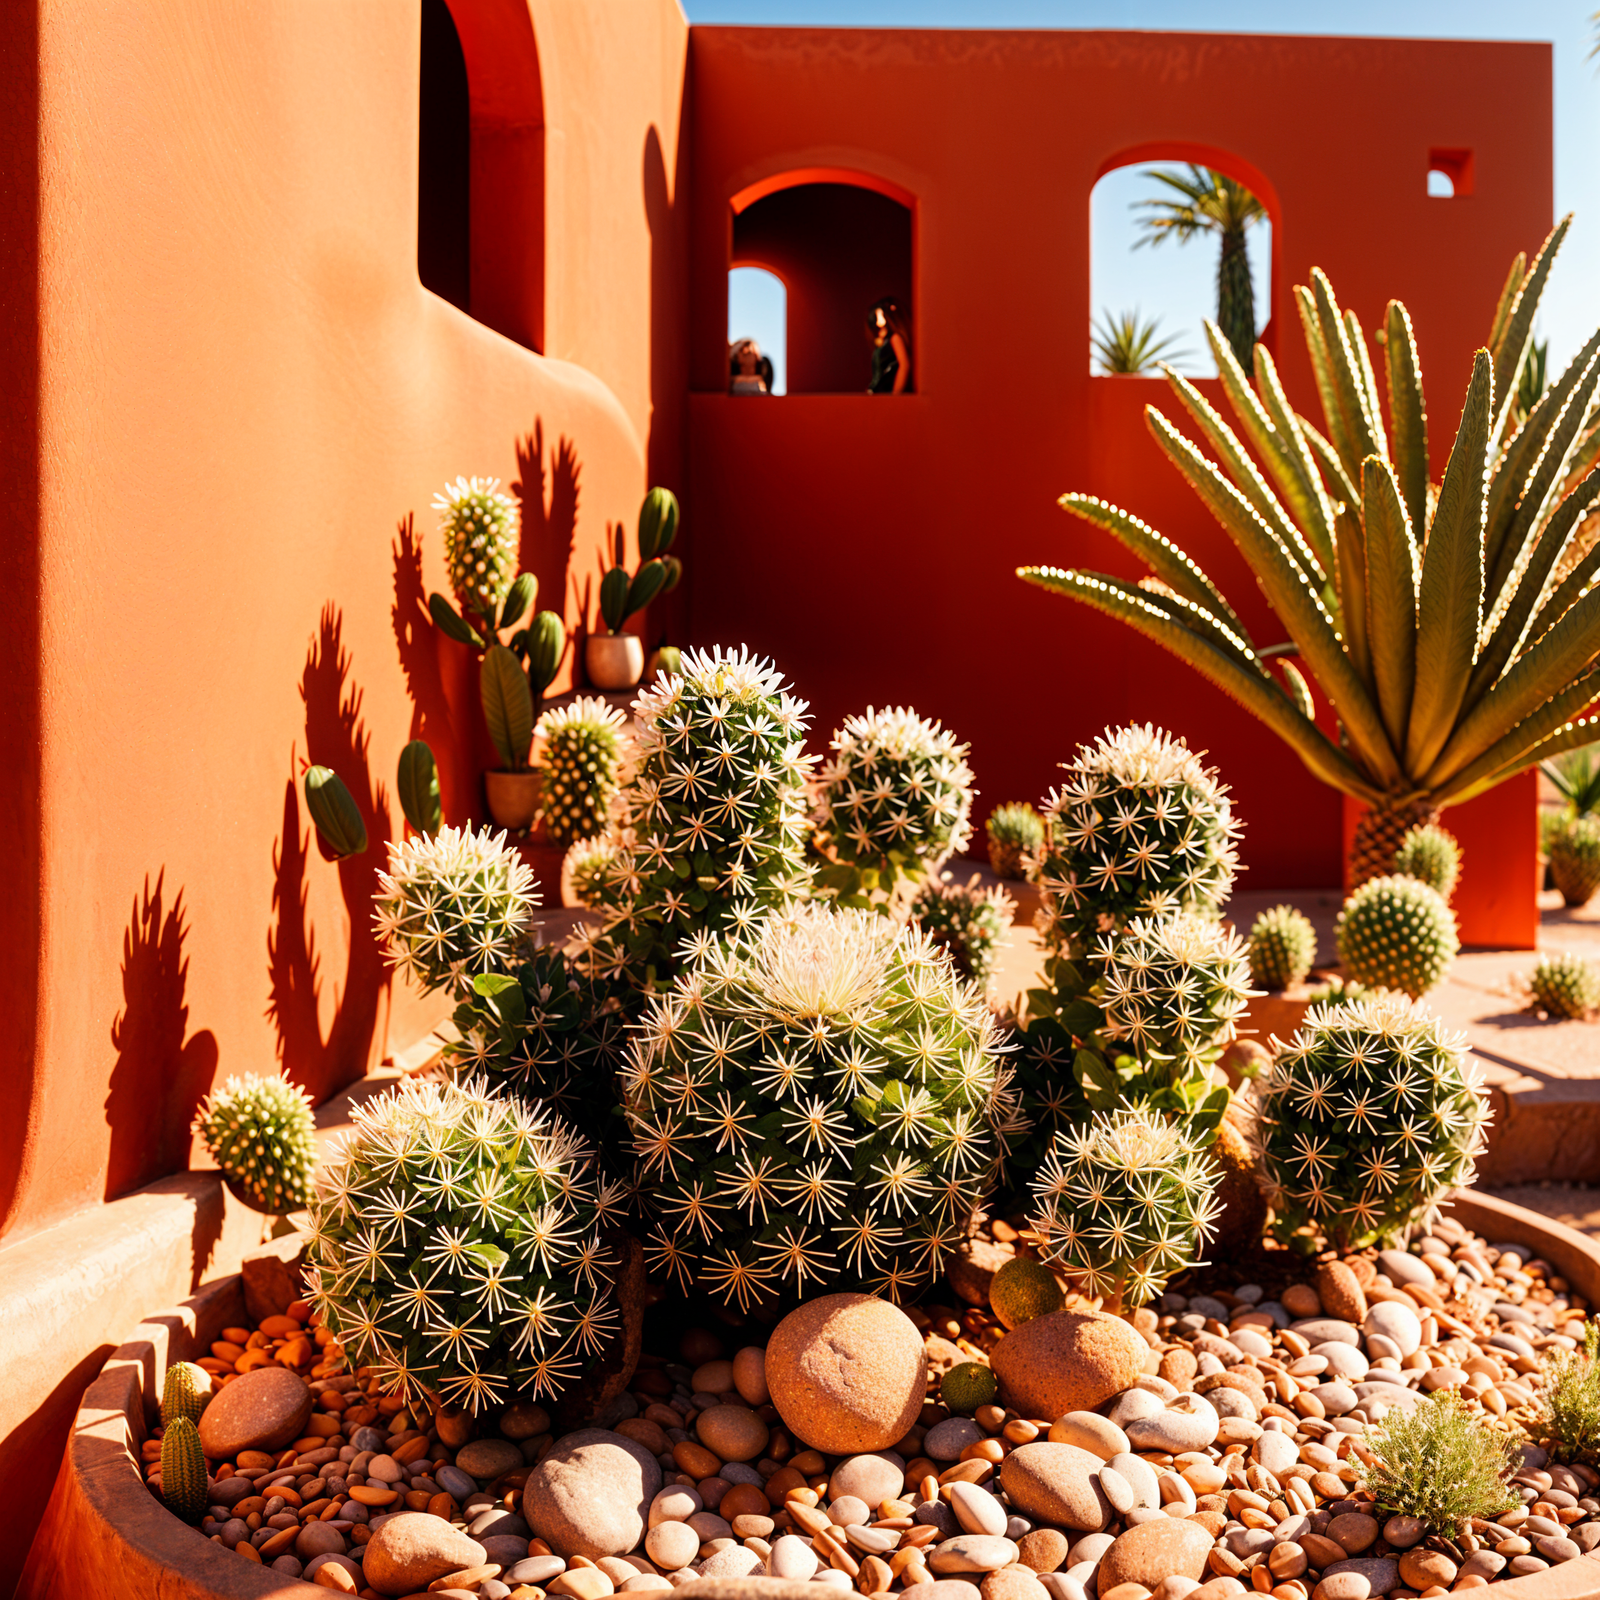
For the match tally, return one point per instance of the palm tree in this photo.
(1209, 202)
(1128, 345)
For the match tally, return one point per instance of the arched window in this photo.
(444, 161)
(1160, 232)
(758, 308)
(839, 247)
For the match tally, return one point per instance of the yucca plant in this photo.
(1434, 622)
(1128, 346)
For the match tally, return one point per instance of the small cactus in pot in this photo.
(1575, 860)
(1283, 947)
(1015, 832)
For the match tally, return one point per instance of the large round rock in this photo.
(1067, 1361)
(262, 1410)
(846, 1373)
(591, 1495)
(415, 1549)
(1167, 1547)
(1057, 1483)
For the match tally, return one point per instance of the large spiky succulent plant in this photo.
(1396, 933)
(578, 748)
(970, 924)
(821, 1109)
(480, 527)
(456, 1246)
(1125, 1202)
(454, 904)
(260, 1132)
(1370, 1114)
(1453, 648)
(714, 816)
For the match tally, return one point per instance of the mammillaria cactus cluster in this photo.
(480, 527)
(578, 749)
(1371, 1114)
(1565, 985)
(822, 1109)
(1396, 933)
(456, 1246)
(1283, 946)
(260, 1131)
(1015, 832)
(587, 871)
(968, 923)
(1432, 856)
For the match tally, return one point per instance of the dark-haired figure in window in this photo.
(891, 347)
(751, 372)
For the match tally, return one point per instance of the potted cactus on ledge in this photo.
(614, 659)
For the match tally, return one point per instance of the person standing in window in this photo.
(750, 371)
(891, 347)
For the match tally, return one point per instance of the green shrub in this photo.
(1569, 1425)
(1437, 1462)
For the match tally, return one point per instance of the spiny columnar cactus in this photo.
(895, 803)
(452, 905)
(1283, 947)
(714, 812)
(480, 528)
(968, 923)
(579, 750)
(1370, 1114)
(183, 1470)
(1015, 832)
(819, 1109)
(1140, 828)
(1396, 933)
(588, 868)
(1125, 1203)
(184, 1392)
(455, 1246)
(1565, 985)
(1575, 860)
(1432, 856)
(260, 1132)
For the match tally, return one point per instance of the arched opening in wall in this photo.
(840, 244)
(758, 314)
(480, 168)
(1174, 243)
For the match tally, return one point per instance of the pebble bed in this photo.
(1234, 1463)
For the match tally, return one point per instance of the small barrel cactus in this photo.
(1565, 985)
(183, 1470)
(1371, 1113)
(1396, 933)
(1125, 1203)
(454, 904)
(1432, 856)
(1575, 860)
(185, 1391)
(818, 1110)
(480, 528)
(1023, 1290)
(896, 798)
(578, 748)
(456, 1248)
(1015, 832)
(1140, 828)
(1283, 947)
(968, 923)
(966, 1386)
(587, 869)
(260, 1131)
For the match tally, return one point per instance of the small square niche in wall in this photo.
(1449, 174)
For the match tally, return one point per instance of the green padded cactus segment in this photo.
(968, 923)
(1396, 933)
(480, 528)
(185, 1391)
(456, 904)
(1139, 828)
(1566, 985)
(1432, 856)
(456, 1248)
(260, 1131)
(1015, 833)
(1125, 1203)
(1371, 1113)
(896, 797)
(1575, 860)
(183, 1470)
(1283, 948)
(588, 869)
(821, 1110)
(578, 748)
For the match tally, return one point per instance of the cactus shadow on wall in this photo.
(160, 1076)
(549, 527)
(335, 737)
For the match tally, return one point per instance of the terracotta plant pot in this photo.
(513, 798)
(614, 660)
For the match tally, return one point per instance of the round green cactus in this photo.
(454, 904)
(1432, 856)
(578, 748)
(588, 870)
(968, 923)
(1283, 947)
(1396, 933)
(1575, 860)
(822, 1109)
(183, 1470)
(1125, 1203)
(1565, 985)
(1140, 828)
(456, 1247)
(1370, 1115)
(480, 527)
(260, 1132)
(1015, 833)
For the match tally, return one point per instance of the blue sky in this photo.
(1177, 281)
